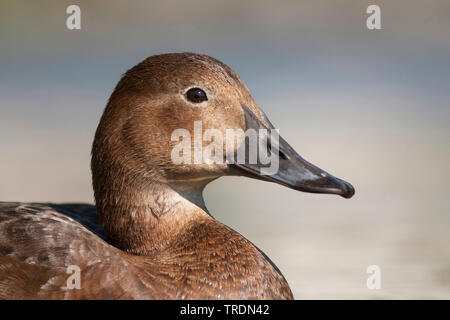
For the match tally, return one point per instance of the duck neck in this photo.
(144, 218)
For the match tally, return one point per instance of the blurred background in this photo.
(369, 106)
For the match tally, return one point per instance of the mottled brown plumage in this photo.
(207, 261)
(150, 235)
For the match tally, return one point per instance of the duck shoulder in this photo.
(40, 242)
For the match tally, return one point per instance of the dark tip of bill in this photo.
(347, 190)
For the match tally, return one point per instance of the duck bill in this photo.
(287, 167)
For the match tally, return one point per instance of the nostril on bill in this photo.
(282, 155)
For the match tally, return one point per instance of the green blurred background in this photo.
(371, 107)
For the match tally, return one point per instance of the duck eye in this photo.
(196, 95)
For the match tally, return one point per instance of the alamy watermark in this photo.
(250, 147)
(373, 22)
(374, 280)
(74, 280)
(73, 21)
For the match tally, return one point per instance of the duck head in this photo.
(164, 135)
(171, 118)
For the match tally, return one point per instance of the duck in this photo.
(149, 234)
